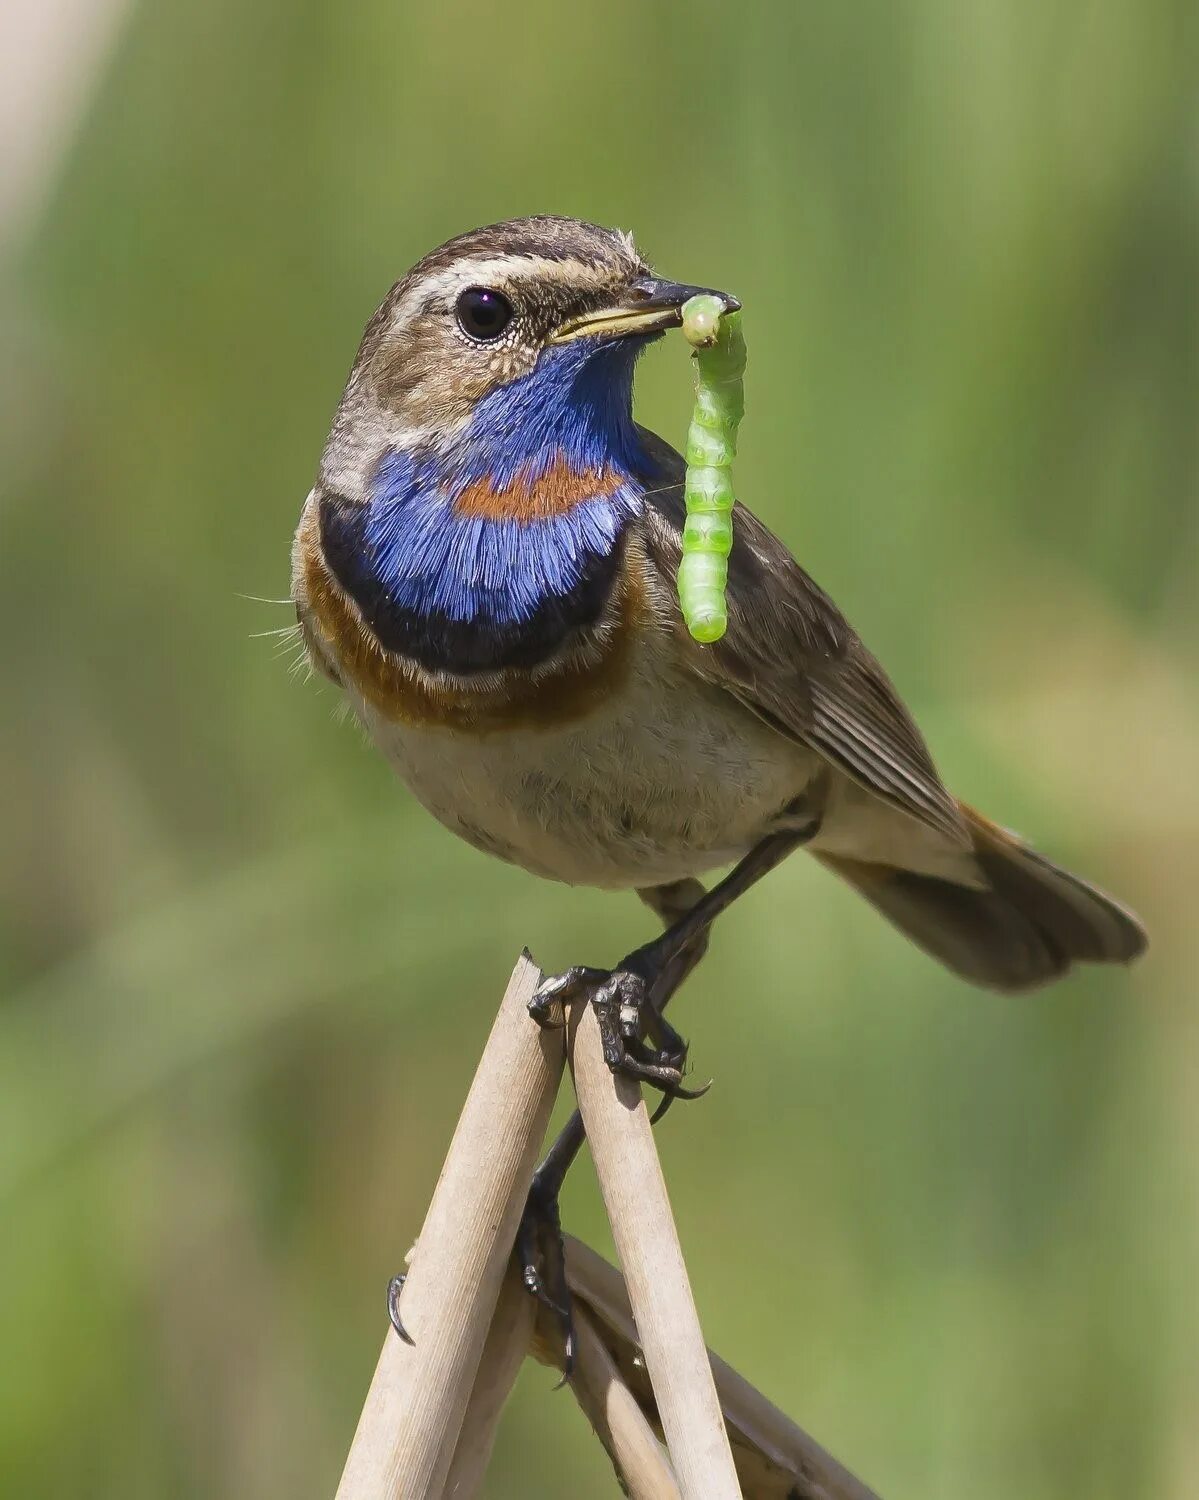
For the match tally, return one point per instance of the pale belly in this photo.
(669, 779)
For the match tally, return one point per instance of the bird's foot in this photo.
(621, 998)
(542, 1259)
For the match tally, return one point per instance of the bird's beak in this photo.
(649, 305)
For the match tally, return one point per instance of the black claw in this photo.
(670, 1095)
(568, 1358)
(667, 1100)
(693, 1093)
(394, 1287)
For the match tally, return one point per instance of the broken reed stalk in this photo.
(634, 1192)
(616, 1417)
(776, 1459)
(414, 1411)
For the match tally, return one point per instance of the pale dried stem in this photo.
(504, 1352)
(776, 1459)
(429, 1422)
(414, 1410)
(634, 1192)
(617, 1419)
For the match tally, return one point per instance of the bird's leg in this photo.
(624, 997)
(687, 911)
(662, 965)
(539, 1237)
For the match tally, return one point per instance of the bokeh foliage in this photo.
(246, 978)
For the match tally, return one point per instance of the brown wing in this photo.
(790, 656)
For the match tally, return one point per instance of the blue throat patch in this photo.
(463, 591)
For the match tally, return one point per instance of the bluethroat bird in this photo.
(486, 566)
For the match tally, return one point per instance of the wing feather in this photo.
(790, 656)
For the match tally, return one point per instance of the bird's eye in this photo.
(482, 313)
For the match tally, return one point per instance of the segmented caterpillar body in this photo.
(719, 355)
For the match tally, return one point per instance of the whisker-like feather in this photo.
(283, 630)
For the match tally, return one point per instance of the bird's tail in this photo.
(1027, 926)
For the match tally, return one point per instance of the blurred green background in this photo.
(245, 979)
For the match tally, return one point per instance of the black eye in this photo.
(482, 313)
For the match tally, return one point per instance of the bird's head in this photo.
(484, 466)
(508, 342)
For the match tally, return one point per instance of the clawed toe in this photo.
(626, 1014)
(555, 994)
(394, 1287)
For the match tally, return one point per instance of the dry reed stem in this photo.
(413, 1414)
(617, 1418)
(634, 1193)
(508, 1342)
(775, 1458)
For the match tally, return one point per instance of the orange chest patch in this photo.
(554, 493)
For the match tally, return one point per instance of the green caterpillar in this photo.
(719, 354)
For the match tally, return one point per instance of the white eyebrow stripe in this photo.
(490, 270)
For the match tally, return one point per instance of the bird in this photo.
(486, 565)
